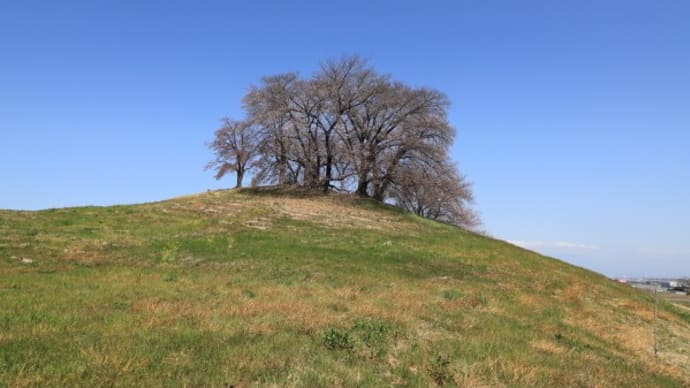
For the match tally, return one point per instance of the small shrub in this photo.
(367, 338)
(452, 294)
(249, 293)
(439, 370)
(170, 277)
(336, 339)
(372, 332)
(169, 253)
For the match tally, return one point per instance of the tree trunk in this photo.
(282, 171)
(363, 186)
(380, 189)
(240, 176)
(329, 173)
(379, 195)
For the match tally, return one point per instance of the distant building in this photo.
(648, 285)
(679, 286)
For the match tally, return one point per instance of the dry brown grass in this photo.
(546, 346)
(334, 210)
(635, 334)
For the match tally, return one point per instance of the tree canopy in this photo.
(349, 128)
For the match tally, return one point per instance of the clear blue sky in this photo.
(573, 117)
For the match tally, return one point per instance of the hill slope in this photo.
(237, 288)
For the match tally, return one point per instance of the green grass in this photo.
(268, 288)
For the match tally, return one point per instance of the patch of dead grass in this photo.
(546, 346)
(332, 212)
(635, 336)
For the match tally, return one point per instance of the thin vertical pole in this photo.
(654, 328)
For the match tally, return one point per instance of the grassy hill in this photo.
(271, 288)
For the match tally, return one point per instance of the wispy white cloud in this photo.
(663, 252)
(552, 244)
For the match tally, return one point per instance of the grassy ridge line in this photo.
(267, 288)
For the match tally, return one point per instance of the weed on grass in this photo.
(439, 369)
(368, 338)
(452, 294)
(170, 277)
(337, 339)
